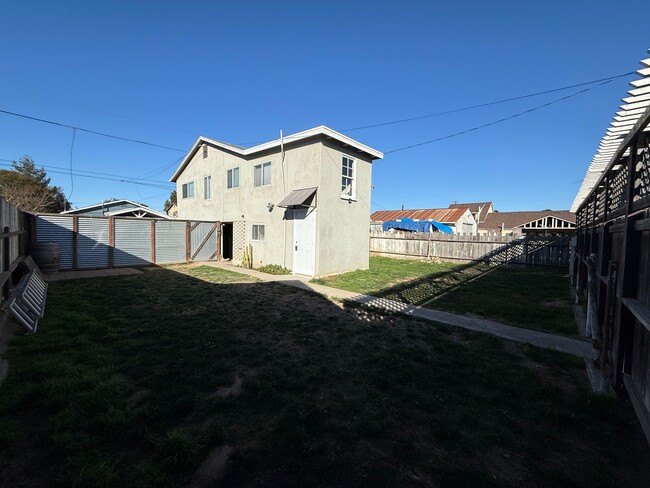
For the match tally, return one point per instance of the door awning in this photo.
(305, 197)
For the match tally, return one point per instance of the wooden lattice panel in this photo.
(642, 174)
(238, 240)
(617, 184)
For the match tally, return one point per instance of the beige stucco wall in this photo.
(341, 226)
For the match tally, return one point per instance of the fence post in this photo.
(111, 241)
(188, 240)
(153, 242)
(6, 261)
(75, 239)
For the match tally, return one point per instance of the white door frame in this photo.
(300, 216)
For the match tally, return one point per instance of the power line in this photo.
(118, 179)
(74, 133)
(103, 134)
(487, 104)
(130, 178)
(494, 122)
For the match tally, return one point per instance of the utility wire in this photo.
(74, 133)
(487, 104)
(121, 180)
(131, 179)
(498, 121)
(103, 134)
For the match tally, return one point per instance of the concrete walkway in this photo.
(90, 273)
(541, 339)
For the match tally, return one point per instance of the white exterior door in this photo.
(304, 245)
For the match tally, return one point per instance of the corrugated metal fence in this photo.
(105, 242)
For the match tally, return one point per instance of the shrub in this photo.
(275, 269)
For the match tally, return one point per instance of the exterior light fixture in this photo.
(270, 206)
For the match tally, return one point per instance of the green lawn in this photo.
(384, 273)
(534, 298)
(132, 381)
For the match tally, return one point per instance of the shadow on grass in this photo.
(132, 381)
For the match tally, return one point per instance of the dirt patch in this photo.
(136, 398)
(226, 391)
(212, 468)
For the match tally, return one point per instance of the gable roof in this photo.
(113, 203)
(510, 220)
(477, 207)
(630, 112)
(316, 131)
(444, 215)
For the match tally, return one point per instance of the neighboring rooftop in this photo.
(443, 215)
(480, 209)
(117, 207)
(316, 131)
(629, 113)
(510, 220)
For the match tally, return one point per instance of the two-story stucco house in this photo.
(301, 201)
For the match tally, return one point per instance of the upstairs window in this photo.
(262, 174)
(188, 189)
(205, 151)
(232, 178)
(207, 187)
(347, 178)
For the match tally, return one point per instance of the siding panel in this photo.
(170, 242)
(132, 242)
(55, 228)
(92, 243)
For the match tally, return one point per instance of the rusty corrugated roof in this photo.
(443, 215)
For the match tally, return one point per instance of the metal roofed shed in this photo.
(302, 198)
(419, 226)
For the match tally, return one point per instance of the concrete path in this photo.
(541, 339)
(90, 273)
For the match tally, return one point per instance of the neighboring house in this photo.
(122, 208)
(479, 210)
(555, 222)
(459, 219)
(172, 211)
(301, 201)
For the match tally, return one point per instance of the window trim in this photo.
(263, 226)
(185, 187)
(353, 196)
(232, 179)
(207, 189)
(261, 166)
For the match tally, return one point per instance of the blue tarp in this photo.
(419, 226)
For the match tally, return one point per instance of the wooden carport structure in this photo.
(613, 236)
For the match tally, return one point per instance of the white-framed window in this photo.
(232, 178)
(262, 174)
(348, 182)
(207, 187)
(257, 232)
(188, 189)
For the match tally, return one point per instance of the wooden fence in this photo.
(613, 235)
(531, 250)
(13, 226)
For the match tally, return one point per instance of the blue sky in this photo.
(167, 71)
